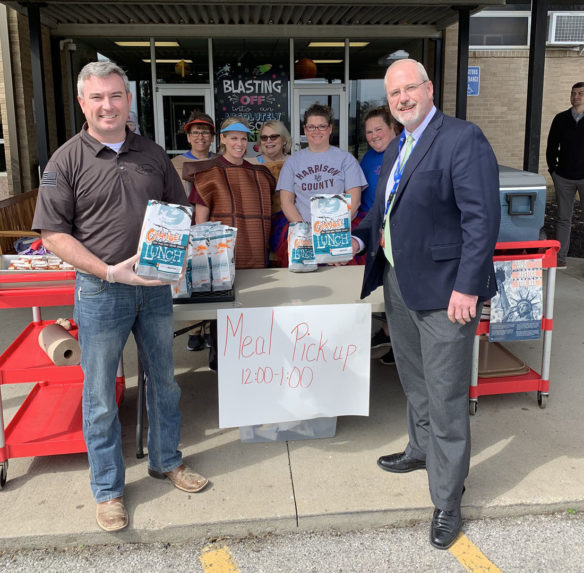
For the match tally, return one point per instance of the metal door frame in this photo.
(316, 90)
(163, 90)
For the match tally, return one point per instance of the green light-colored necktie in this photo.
(386, 233)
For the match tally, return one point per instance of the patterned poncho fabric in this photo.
(239, 196)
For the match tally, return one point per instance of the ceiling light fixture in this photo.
(337, 44)
(388, 59)
(169, 61)
(146, 44)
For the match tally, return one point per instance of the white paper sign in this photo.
(293, 363)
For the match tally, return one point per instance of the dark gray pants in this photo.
(433, 359)
(566, 190)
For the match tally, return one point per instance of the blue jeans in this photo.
(106, 314)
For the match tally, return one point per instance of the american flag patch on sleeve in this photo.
(49, 178)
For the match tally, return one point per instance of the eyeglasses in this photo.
(409, 90)
(272, 137)
(321, 127)
(200, 133)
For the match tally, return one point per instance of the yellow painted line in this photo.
(218, 560)
(471, 557)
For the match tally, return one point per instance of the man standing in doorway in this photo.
(429, 239)
(91, 203)
(565, 160)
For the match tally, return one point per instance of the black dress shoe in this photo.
(445, 528)
(400, 463)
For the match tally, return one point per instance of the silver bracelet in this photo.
(109, 275)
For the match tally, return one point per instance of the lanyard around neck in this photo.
(397, 174)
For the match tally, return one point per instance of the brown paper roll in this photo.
(60, 346)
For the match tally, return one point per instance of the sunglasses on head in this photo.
(272, 137)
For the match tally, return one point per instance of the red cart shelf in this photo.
(25, 361)
(531, 381)
(49, 421)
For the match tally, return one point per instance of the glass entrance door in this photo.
(335, 96)
(174, 104)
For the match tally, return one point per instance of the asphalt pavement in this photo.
(525, 460)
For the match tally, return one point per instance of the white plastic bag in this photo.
(300, 251)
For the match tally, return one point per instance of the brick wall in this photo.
(26, 137)
(500, 109)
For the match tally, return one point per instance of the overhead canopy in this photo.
(327, 18)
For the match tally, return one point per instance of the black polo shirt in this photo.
(99, 196)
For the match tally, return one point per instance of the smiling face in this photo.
(378, 133)
(235, 143)
(200, 139)
(106, 107)
(577, 99)
(271, 144)
(318, 139)
(409, 95)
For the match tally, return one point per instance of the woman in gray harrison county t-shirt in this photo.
(319, 169)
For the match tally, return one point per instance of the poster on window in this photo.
(258, 93)
(517, 308)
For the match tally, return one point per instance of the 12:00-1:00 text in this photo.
(295, 378)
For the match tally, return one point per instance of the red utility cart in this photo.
(49, 421)
(530, 381)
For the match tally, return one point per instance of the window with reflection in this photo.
(319, 61)
(133, 56)
(367, 67)
(182, 60)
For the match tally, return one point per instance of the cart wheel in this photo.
(3, 472)
(473, 406)
(542, 399)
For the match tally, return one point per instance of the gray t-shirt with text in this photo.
(307, 173)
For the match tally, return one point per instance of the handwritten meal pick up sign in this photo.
(293, 363)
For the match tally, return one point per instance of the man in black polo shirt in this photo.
(565, 159)
(90, 207)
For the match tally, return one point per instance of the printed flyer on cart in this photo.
(517, 308)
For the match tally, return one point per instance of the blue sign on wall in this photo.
(474, 81)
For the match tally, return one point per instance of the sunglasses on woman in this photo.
(272, 137)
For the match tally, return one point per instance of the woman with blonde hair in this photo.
(275, 145)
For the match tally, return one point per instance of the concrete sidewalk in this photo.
(524, 459)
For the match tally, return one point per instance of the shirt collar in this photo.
(417, 133)
(577, 116)
(132, 141)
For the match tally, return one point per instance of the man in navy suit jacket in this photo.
(429, 239)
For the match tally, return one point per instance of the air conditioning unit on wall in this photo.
(566, 28)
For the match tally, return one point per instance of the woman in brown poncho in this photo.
(236, 193)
